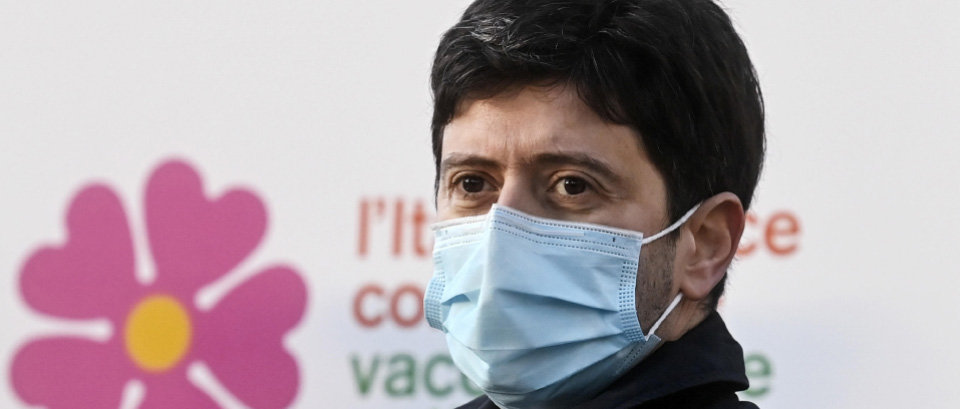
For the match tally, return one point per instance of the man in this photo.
(594, 163)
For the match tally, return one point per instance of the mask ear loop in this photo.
(673, 226)
(676, 300)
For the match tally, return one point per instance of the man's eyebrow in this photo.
(578, 159)
(458, 160)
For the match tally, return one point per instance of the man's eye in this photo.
(472, 184)
(572, 186)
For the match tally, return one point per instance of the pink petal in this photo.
(173, 390)
(92, 274)
(194, 240)
(241, 339)
(70, 373)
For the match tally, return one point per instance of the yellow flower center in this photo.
(158, 333)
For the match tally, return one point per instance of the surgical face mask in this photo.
(539, 313)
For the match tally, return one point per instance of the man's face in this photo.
(542, 151)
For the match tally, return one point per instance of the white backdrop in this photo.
(844, 298)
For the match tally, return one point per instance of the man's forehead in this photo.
(533, 101)
(553, 115)
(478, 144)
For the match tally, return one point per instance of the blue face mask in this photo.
(539, 313)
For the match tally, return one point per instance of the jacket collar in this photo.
(706, 354)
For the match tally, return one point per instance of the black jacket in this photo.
(701, 370)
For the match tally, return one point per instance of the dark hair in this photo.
(674, 70)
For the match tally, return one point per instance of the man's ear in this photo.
(708, 243)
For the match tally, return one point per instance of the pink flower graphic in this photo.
(157, 330)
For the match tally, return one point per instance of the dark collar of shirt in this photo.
(704, 368)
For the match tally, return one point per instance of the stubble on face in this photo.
(655, 280)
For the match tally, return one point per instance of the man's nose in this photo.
(518, 193)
